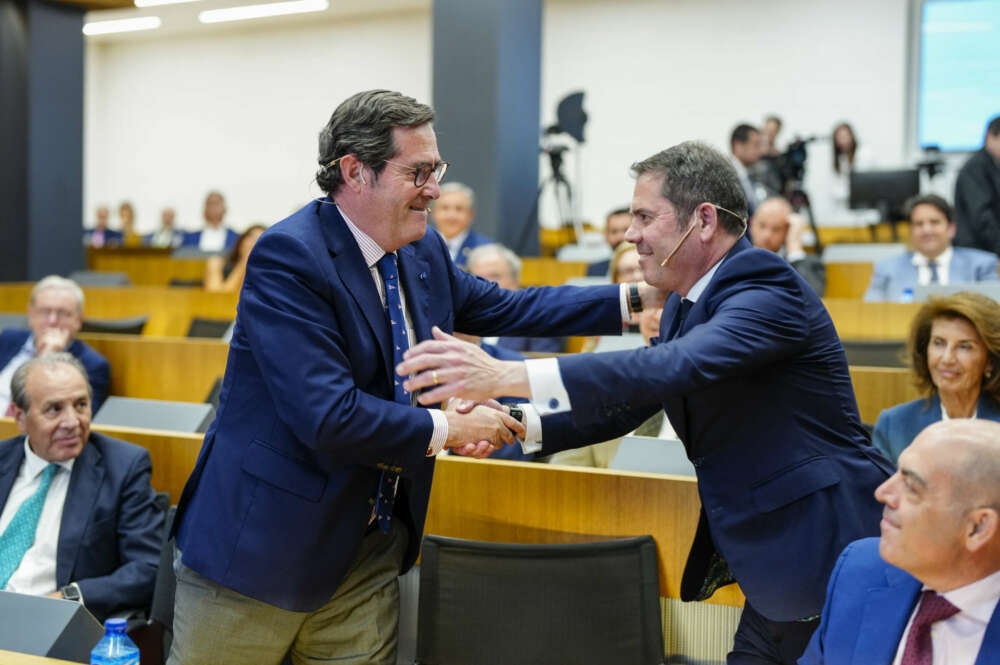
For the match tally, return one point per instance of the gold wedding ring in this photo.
(434, 375)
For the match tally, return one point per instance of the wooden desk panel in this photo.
(855, 319)
(848, 280)
(171, 368)
(15, 658)
(146, 266)
(878, 388)
(545, 271)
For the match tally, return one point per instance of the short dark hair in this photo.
(981, 312)
(695, 173)
(993, 126)
(929, 199)
(742, 133)
(362, 126)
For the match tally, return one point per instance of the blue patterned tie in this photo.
(19, 535)
(397, 327)
(934, 271)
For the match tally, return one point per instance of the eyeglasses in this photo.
(421, 174)
(48, 312)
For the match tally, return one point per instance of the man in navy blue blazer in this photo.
(98, 537)
(454, 212)
(933, 259)
(55, 314)
(309, 495)
(927, 590)
(215, 236)
(753, 378)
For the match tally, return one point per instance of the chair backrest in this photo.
(155, 414)
(875, 352)
(99, 278)
(132, 325)
(509, 604)
(214, 328)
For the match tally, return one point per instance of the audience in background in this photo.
(933, 260)
(954, 351)
(772, 127)
(615, 226)
(496, 263)
(828, 178)
(167, 235)
(225, 274)
(214, 237)
(101, 235)
(126, 215)
(776, 227)
(977, 195)
(95, 537)
(926, 591)
(453, 215)
(55, 314)
(745, 149)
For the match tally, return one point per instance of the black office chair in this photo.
(214, 328)
(875, 352)
(132, 325)
(507, 604)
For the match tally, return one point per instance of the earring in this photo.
(988, 373)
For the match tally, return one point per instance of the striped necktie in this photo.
(19, 535)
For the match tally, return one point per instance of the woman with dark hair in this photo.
(845, 146)
(954, 352)
(828, 177)
(225, 274)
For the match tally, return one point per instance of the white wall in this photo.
(170, 117)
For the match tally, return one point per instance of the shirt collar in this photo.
(699, 287)
(943, 259)
(34, 464)
(29, 344)
(455, 243)
(977, 599)
(369, 248)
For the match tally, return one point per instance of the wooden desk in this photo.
(546, 271)
(146, 266)
(855, 319)
(848, 280)
(170, 310)
(14, 658)
(878, 388)
(172, 368)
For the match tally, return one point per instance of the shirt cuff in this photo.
(532, 442)
(623, 303)
(440, 434)
(548, 394)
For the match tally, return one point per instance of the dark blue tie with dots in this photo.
(397, 327)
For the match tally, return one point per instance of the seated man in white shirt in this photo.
(215, 237)
(933, 259)
(926, 591)
(78, 518)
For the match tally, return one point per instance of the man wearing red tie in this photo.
(926, 592)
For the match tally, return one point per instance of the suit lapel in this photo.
(886, 613)
(991, 640)
(414, 271)
(11, 456)
(673, 405)
(84, 484)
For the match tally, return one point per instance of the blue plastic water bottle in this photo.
(907, 295)
(115, 648)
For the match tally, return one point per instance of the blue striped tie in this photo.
(19, 535)
(397, 327)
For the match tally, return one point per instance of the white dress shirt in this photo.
(957, 640)
(943, 262)
(455, 244)
(213, 239)
(36, 575)
(26, 353)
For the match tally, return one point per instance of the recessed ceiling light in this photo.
(122, 25)
(153, 3)
(262, 11)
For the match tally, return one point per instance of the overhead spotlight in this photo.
(121, 25)
(154, 3)
(262, 11)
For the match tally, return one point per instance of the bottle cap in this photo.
(115, 625)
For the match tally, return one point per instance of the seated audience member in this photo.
(453, 214)
(55, 314)
(167, 235)
(933, 259)
(225, 274)
(496, 263)
(745, 152)
(977, 195)
(926, 591)
(777, 228)
(126, 215)
(79, 519)
(828, 178)
(954, 350)
(615, 226)
(624, 267)
(215, 237)
(101, 235)
(772, 127)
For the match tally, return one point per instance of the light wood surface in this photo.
(831, 235)
(14, 658)
(172, 368)
(878, 388)
(855, 319)
(547, 271)
(523, 502)
(170, 310)
(146, 266)
(848, 280)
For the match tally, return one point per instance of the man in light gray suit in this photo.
(933, 259)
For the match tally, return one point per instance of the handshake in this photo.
(476, 429)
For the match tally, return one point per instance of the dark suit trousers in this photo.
(759, 640)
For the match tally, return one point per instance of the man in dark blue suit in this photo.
(927, 590)
(453, 214)
(96, 531)
(215, 236)
(311, 489)
(55, 314)
(752, 376)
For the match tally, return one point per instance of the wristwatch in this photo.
(517, 413)
(71, 592)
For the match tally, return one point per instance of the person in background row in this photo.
(828, 178)
(454, 212)
(214, 237)
(776, 227)
(615, 225)
(101, 235)
(55, 315)
(78, 517)
(745, 152)
(126, 215)
(954, 352)
(167, 235)
(977, 195)
(926, 592)
(933, 260)
(772, 127)
(225, 274)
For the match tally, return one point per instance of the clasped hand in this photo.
(476, 430)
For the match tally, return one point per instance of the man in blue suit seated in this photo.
(496, 263)
(55, 314)
(753, 378)
(933, 259)
(615, 225)
(311, 489)
(79, 518)
(215, 236)
(925, 592)
(453, 214)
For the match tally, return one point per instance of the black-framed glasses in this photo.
(421, 174)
